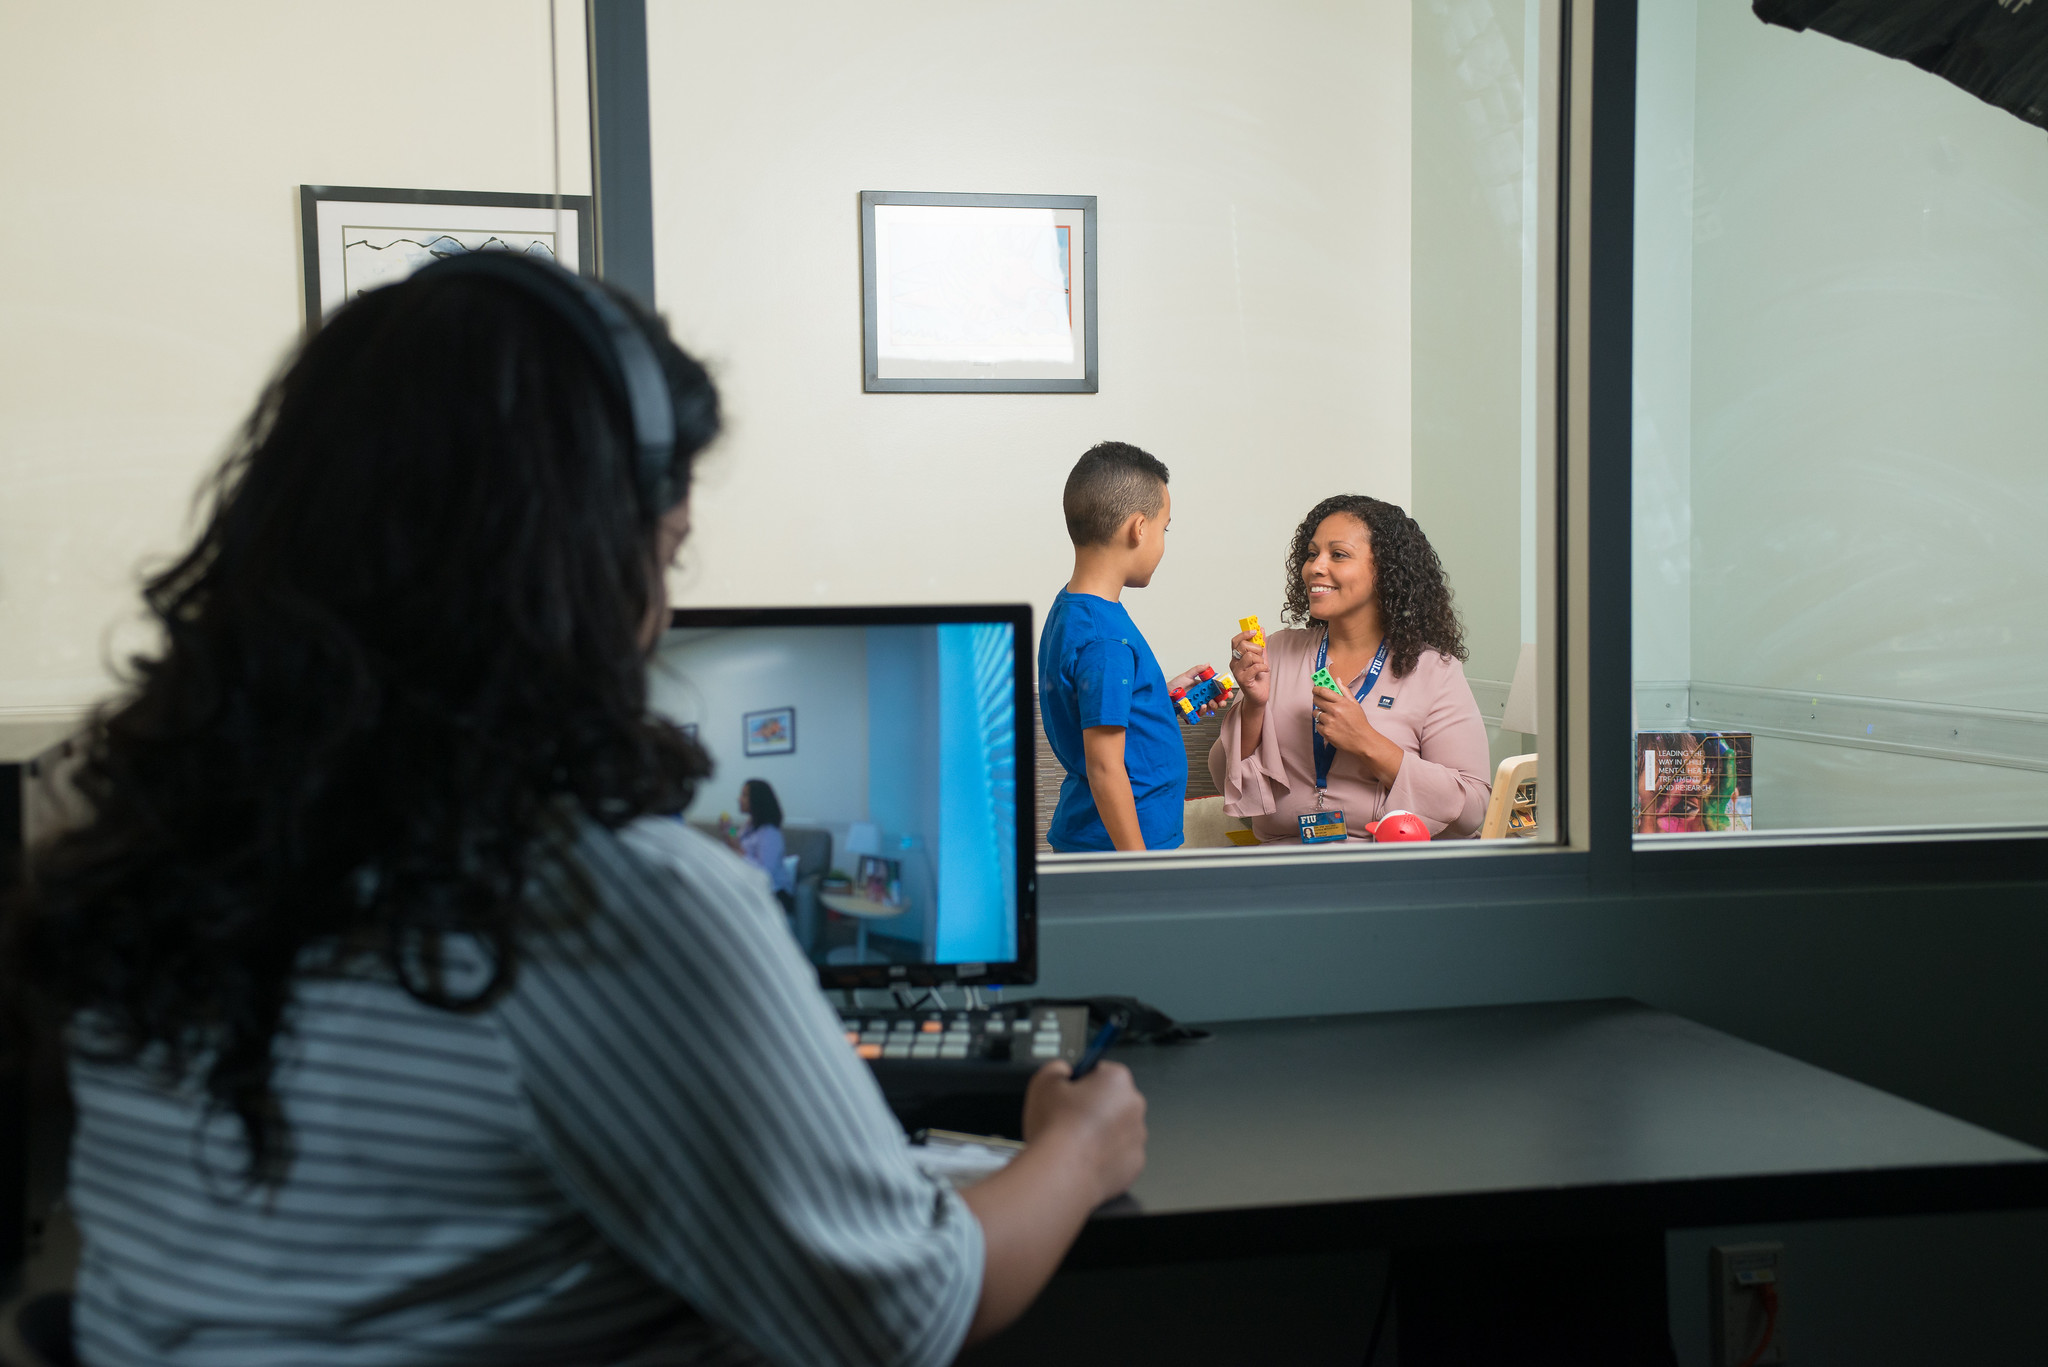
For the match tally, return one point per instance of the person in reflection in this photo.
(1366, 598)
(760, 842)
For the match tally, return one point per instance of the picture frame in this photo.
(771, 731)
(879, 880)
(354, 238)
(978, 293)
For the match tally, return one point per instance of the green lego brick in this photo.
(1322, 679)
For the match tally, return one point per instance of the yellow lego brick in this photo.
(1251, 624)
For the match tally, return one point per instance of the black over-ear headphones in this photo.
(623, 354)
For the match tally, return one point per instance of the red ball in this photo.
(1398, 826)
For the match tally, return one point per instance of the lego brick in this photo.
(1251, 624)
(1322, 679)
(1212, 687)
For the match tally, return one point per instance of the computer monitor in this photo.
(897, 744)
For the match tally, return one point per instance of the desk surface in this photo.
(1521, 1122)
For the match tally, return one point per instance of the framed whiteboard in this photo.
(988, 294)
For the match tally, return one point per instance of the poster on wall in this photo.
(990, 294)
(772, 732)
(1694, 781)
(355, 238)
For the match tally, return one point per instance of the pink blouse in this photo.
(1445, 778)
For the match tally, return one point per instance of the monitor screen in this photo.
(868, 761)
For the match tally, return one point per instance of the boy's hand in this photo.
(1248, 666)
(1186, 679)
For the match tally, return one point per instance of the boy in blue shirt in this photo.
(1100, 691)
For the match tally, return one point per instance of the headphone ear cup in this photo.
(624, 355)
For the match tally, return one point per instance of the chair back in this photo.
(1511, 810)
(812, 846)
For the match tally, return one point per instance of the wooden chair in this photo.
(1511, 810)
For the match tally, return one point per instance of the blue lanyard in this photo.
(1325, 752)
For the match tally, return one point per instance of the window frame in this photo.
(1586, 655)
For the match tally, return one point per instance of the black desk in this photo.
(1487, 1144)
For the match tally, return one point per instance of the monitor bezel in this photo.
(1023, 970)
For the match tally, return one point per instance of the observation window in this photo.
(1326, 237)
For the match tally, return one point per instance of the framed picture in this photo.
(355, 238)
(990, 294)
(879, 880)
(770, 733)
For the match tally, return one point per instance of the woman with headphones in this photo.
(403, 1026)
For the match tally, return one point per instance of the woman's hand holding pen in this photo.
(1084, 1143)
(1098, 1119)
(1342, 723)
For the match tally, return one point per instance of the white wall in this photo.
(1252, 168)
(1870, 341)
(149, 273)
(1467, 267)
(713, 679)
(1662, 362)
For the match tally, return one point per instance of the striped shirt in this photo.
(656, 1149)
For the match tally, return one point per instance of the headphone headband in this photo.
(622, 352)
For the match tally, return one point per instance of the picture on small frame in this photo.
(356, 238)
(772, 732)
(880, 880)
(991, 294)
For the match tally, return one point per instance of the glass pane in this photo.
(1841, 338)
(156, 275)
(1318, 274)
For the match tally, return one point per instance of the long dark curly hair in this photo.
(403, 654)
(1408, 579)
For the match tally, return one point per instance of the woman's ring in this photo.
(1236, 654)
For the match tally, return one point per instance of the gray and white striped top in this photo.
(656, 1149)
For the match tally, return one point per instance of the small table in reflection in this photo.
(863, 910)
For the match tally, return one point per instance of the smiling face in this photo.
(1338, 572)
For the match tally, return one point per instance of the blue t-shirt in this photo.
(1094, 669)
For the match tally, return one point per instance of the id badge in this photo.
(1318, 828)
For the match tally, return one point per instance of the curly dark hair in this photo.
(405, 651)
(1408, 579)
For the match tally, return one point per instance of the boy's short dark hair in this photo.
(1110, 482)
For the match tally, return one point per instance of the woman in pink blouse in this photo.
(1368, 593)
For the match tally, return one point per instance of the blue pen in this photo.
(1097, 1047)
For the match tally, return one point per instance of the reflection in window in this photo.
(1841, 329)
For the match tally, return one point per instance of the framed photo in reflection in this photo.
(967, 294)
(770, 732)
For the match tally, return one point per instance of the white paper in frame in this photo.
(361, 244)
(968, 292)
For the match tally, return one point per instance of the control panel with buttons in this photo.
(1013, 1039)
